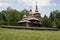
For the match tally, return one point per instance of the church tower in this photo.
(30, 12)
(37, 14)
(33, 20)
(36, 9)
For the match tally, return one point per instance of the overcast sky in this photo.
(44, 6)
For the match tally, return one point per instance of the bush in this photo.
(2, 22)
(58, 24)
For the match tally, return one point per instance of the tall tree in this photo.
(46, 21)
(2, 18)
(2, 14)
(12, 16)
(55, 15)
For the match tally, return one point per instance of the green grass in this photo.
(19, 34)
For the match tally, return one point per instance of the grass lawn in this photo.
(20, 34)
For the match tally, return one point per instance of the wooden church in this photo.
(33, 20)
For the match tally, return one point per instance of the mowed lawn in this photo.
(20, 34)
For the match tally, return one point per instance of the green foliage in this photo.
(2, 15)
(2, 22)
(2, 18)
(55, 15)
(51, 17)
(58, 23)
(12, 17)
(47, 22)
(23, 12)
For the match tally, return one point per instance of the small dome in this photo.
(24, 16)
(24, 21)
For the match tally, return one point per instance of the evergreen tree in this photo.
(47, 22)
(55, 15)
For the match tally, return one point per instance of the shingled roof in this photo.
(24, 21)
